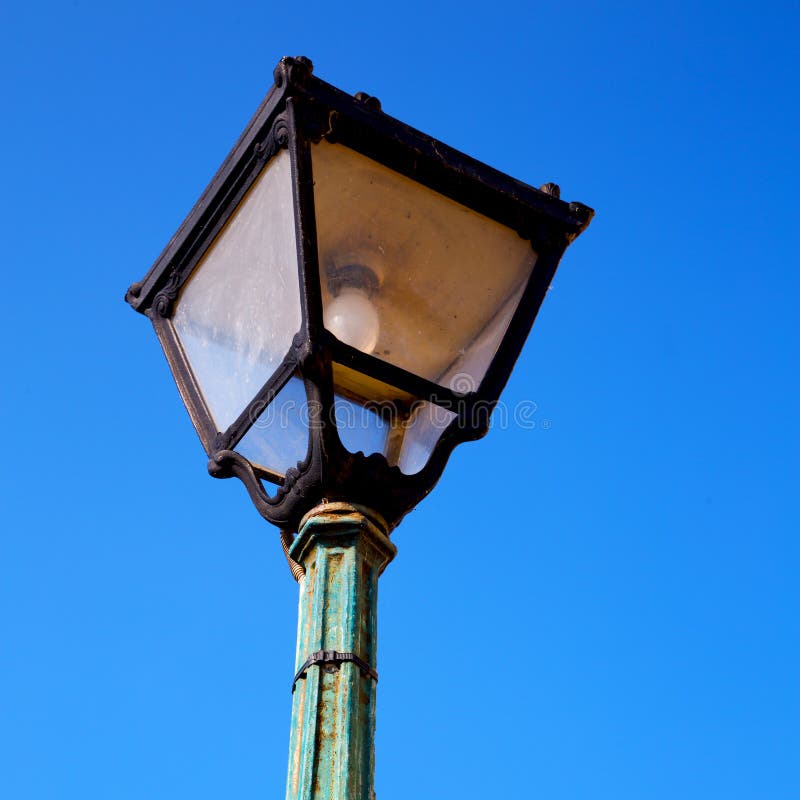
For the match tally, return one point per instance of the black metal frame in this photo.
(299, 111)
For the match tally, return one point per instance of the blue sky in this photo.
(604, 606)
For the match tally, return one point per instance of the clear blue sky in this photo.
(604, 607)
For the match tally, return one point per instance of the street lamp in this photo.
(341, 308)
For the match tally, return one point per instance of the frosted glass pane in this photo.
(422, 431)
(279, 437)
(409, 275)
(238, 312)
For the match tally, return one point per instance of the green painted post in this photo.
(343, 549)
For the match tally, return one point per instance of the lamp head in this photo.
(341, 261)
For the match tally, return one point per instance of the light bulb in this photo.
(352, 319)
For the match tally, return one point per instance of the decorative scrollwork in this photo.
(230, 464)
(277, 138)
(132, 295)
(316, 121)
(162, 303)
(296, 70)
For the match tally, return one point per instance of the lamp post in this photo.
(341, 308)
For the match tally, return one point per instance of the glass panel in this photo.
(462, 375)
(409, 275)
(238, 312)
(422, 431)
(279, 437)
(373, 417)
(361, 427)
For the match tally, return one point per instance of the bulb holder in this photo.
(352, 276)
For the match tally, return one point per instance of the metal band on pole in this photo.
(334, 657)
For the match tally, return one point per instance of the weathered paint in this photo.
(343, 549)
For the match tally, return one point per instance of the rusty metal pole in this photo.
(343, 549)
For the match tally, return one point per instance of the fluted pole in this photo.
(343, 550)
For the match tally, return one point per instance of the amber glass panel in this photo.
(238, 312)
(364, 389)
(444, 280)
